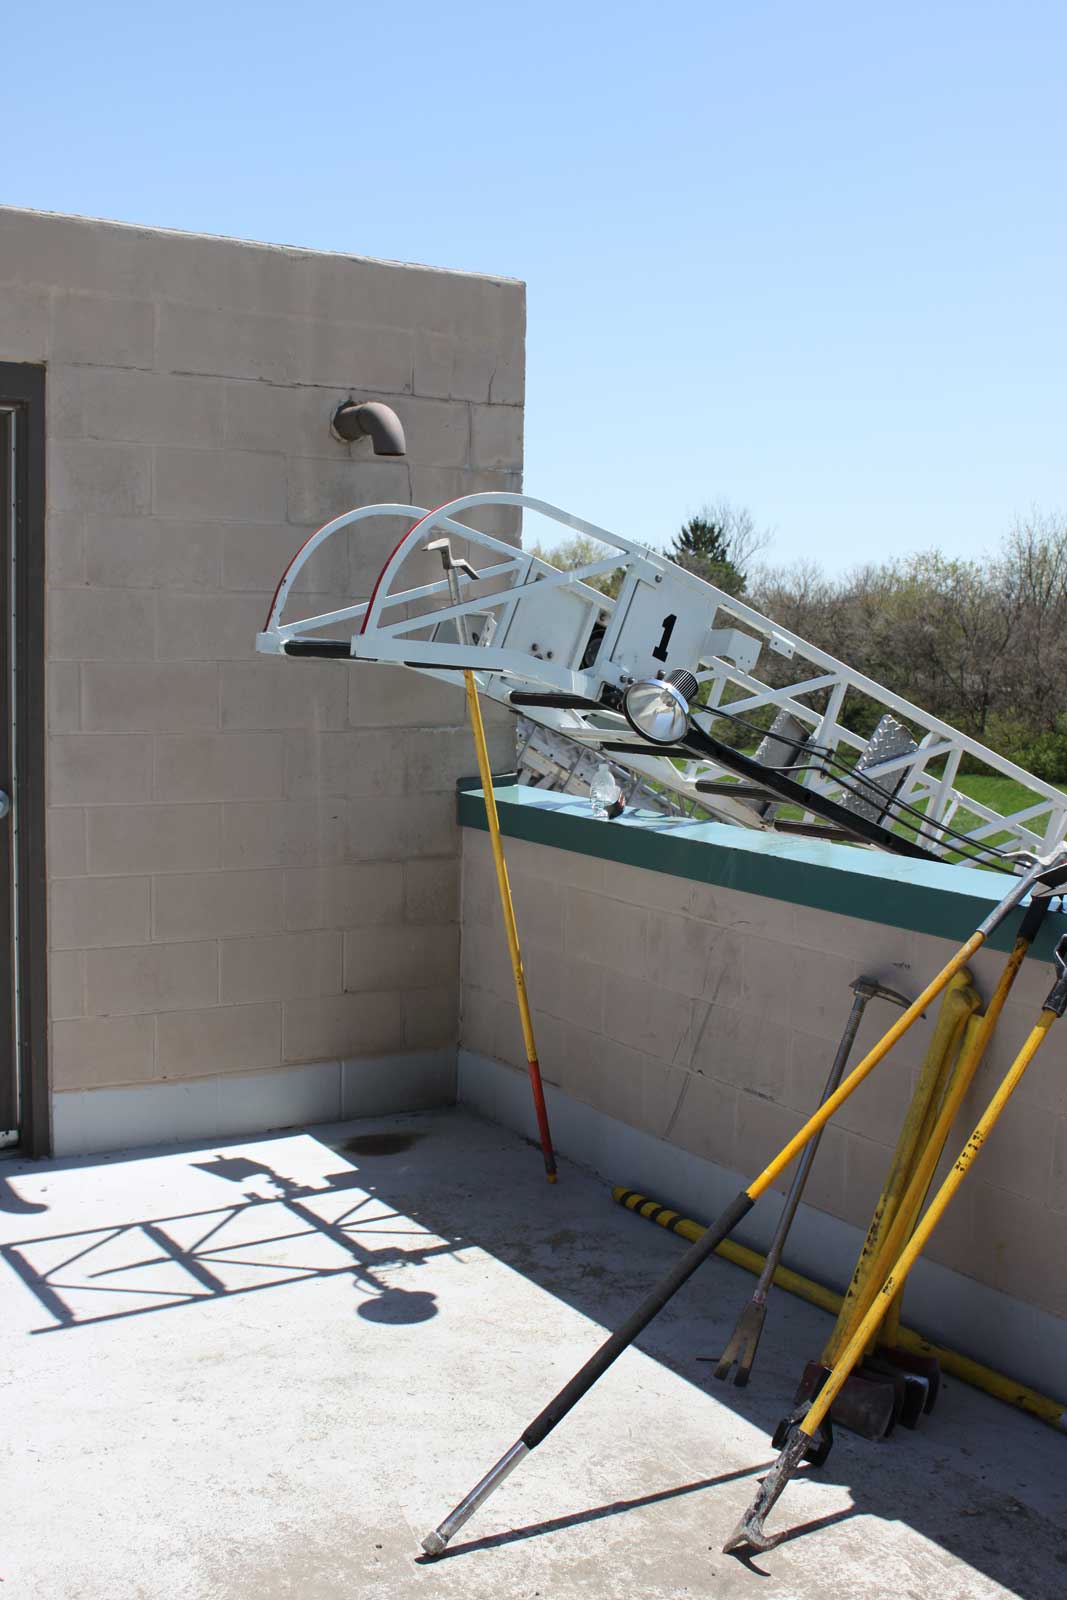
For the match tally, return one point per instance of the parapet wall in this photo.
(691, 983)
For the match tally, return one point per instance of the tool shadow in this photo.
(933, 1479)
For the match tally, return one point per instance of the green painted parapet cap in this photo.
(926, 896)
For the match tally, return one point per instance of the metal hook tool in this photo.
(745, 1338)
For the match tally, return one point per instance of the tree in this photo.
(580, 551)
(980, 643)
(718, 544)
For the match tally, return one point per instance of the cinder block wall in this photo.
(708, 1018)
(252, 862)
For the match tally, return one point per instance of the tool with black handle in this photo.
(802, 1436)
(542, 1425)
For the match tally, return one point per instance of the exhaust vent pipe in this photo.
(369, 419)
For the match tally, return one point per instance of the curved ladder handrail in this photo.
(328, 529)
(443, 513)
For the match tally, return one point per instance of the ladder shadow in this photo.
(216, 1251)
(13, 1203)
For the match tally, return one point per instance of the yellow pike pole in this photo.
(959, 1001)
(452, 568)
(514, 950)
(972, 1045)
(979, 1032)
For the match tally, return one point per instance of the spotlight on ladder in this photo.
(658, 708)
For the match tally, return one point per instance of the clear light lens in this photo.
(656, 711)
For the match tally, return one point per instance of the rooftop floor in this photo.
(370, 1314)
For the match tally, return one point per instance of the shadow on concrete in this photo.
(576, 1519)
(471, 1184)
(12, 1202)
(604, 1263)
(238, 1249)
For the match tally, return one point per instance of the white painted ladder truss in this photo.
(546, 643)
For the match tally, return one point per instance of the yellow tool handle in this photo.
(958, 1001)
(911, 1203)
(971, 1031)
(510, 929)
(867, 1065)
(506, 905)
(913, 1249)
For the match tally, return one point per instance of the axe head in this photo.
(872, 989)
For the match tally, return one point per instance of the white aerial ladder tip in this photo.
(778, 754)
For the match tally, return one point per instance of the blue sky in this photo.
(811, 257)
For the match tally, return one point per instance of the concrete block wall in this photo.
(253, 863)
(707, 1018)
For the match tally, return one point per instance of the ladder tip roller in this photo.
(1049, 873)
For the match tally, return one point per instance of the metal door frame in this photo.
(22, 394)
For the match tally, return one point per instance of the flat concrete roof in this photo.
(266, 1368)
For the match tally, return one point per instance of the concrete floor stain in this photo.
(380, 1144)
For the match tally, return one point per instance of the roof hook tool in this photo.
(921, 1374)
(745, 1338)
(902, 1203)
(435, 1542)
(899, 1209)
(453, 567)
(888, 1347)
(805, 1433)
(911, 1382)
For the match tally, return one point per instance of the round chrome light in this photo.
(657, 710)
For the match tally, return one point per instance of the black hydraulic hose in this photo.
(326, 649)
(887, 800)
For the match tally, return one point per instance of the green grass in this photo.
(999, 794)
